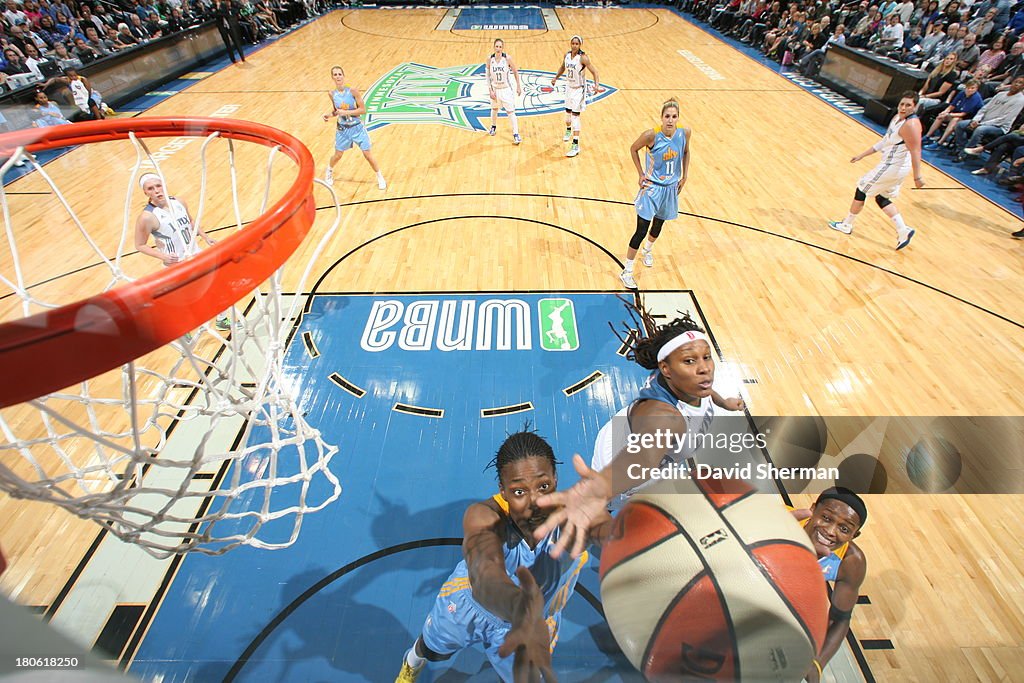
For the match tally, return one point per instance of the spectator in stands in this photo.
(938, 84)
(17, 39)
(906, 10)
(1016, 24)
(93, 40)
(138, 29)
(84, 52)
(46, 113)
(952, 12)
(153, 25)
(890, 39)
(64, 58)
(106, 19)
(14, 15)
(865, 29)
(226, 14)
(31, 10)
(911, 45)
(965, 105)
(983, 25)
(35, 61)
(811, 62)
(754, 28)
(87, 19)
(950, 43)
(13, 63)
(120, 38)
(995, 55)
(49, 33)
(1009, 146)
(175, 22)
(994, 119)
(969, 53)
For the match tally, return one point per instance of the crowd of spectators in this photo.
(45, 42)
(972, 101)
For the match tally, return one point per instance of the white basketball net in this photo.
(199, 446)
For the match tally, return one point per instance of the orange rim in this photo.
(58, 348)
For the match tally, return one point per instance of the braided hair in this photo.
(644, 337)
(520, 446)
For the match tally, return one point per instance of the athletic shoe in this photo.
(408, 674)
(904, 238)
(329, 176)
(566, 137)
(627, 279)
(187, 337)
(974, 151)
(980, 171)
(1019, 235)
(648, 257)
(492, 131)
(224, 323)
(930, 145)
(108, 111)
(840, 226)
(516, 139)
(573, 151)
(381, 183)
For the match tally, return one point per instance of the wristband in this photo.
(817, 666)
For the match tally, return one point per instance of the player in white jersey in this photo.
(901, 152)
(169, 222)
(501, 69)
(572, 66)
(682, 366)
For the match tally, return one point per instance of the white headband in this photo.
(576, 38)
(147, 176)
(681, 340)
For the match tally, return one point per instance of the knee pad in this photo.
(576, 122)
(882, 201)
(656, 227)
(641, 232)
(859, 196)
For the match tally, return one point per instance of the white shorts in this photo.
(884, 180)
(575, 99)
(506, 99)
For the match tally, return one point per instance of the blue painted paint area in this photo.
(407, 478)
(499, 19)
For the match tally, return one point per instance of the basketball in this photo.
(715, 583)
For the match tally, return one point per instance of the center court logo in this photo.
(456, 96)
(470, 325)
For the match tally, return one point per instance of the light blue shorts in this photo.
(350, 136)
(657, 200)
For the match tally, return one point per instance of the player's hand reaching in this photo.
(734, 404)
(581, 509)
(529, 639)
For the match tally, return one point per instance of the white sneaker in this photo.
(381, 183)
(329, 176)
(516, 139)
(627, 279)
(647, 257)
(904, 238)
(492, 131)
(573, 151)
(565, 138)
(841, 227)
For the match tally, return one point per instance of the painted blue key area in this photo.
(347, 600)
(499, 19)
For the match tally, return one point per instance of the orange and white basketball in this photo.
(715, 582)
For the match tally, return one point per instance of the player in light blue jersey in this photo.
(661, 180)
(507, 595)
(347, 104)
(832, 523)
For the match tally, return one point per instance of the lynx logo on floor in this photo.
(456, 96)
(470, 325)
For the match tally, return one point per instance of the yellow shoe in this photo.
(408, 674)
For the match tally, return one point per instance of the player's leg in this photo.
(568, 123)
(668, 209)
(846, 225)
(342, 141)
(903, 233)
(494, 116)
(508, 102)
(645, 208)
(362, 138)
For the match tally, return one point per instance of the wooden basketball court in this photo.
(809, 322)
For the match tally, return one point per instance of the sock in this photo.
(413, 659)
(629, 265)
(649, 246)
(575, 140)
(515, 124)
(850, 218)
(568, 129)
(900, 225)
(380, 175)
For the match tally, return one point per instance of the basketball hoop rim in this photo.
(54, 349)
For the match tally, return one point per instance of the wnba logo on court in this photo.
(456, 96)
(470, 325)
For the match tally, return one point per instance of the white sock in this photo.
(629, 265)
(900, 225)
(649, 246)
(413, 659)
(515, 124)
(380, 175)
(850, 218)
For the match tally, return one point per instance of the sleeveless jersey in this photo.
(665, 158)
(830, 563)
(894, 151)
(574, 70)
(555, 578)
(500, 71)
(698, 418)
(175, 231)
(80, 94)
(344, 99)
